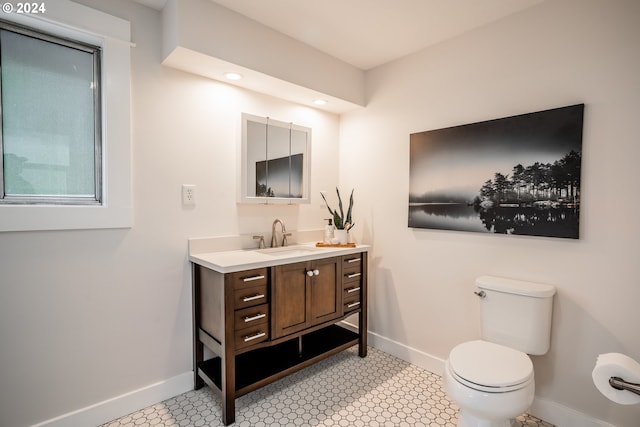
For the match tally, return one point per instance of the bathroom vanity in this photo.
(264, 314)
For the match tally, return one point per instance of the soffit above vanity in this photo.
(210, 40)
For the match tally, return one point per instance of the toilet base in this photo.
(465, 419)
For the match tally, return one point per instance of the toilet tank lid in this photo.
(512, 286)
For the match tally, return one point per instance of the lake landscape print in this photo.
(515, 175)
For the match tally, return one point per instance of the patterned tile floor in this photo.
(343, 390)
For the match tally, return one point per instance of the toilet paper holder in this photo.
(620, 384)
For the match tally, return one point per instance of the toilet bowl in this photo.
(491, 383)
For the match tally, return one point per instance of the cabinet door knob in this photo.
(316, 272)
(309, 273)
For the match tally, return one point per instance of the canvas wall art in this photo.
(514, 175)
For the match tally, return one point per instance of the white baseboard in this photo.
(563, 416)
(124, 404)
(416, 357)
(544, 409)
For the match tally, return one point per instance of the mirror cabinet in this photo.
(275, 161)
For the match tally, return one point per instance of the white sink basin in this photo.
(288, 251)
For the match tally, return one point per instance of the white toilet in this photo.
(491, 380)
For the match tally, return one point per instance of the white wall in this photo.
(90, 315)
(86, 316)
(559, 53)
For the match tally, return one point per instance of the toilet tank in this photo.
(516, 313)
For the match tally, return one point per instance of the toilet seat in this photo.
(490, 367)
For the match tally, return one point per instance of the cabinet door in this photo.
(305, 294)
(290, 299)
(326, 290)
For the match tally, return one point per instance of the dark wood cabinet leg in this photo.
(229, 410)
(228, 368)
(362, 318)
(198, 382)
(198, 347)
(362, 332)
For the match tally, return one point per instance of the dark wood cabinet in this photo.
(266, 323)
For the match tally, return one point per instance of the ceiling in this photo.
(369, 33)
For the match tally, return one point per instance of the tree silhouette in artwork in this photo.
(553, 184)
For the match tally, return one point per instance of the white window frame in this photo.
(64, 18)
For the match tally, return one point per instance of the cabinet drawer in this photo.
(251, 335)
(251, 316)
(350, 290)
(249, 278)
(351, 278)
(249, 297)
(352, 262)
(351, 301)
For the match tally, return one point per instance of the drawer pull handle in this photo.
(255, 297)
(254, 337)
(351, 276)
(353, 290)
(256, 317)
(252, 278)
(353, 260)
(353, 304)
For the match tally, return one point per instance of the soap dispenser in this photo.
(328, 231)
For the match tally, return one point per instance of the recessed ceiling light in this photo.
(233, 76)
(320, 102)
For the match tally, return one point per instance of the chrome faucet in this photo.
(274, 239)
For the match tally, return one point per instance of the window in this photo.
(50, 133)
(95, 180)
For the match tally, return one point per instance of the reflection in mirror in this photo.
(275, 161)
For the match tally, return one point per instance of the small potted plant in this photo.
(342, 223)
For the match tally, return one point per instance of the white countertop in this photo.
(246, 259)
